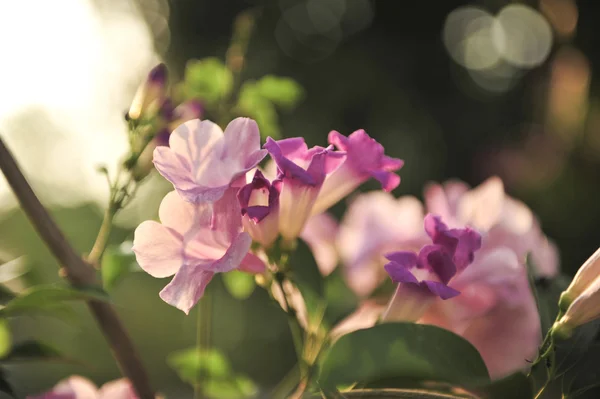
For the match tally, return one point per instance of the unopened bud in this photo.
(151, 94)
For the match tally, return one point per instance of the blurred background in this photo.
(457, 89)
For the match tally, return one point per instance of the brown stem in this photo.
(79, 273)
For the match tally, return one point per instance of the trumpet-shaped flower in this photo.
(503, 220)
(365, 159)
(301, 173)
(582, 299)
(320, 233)
(424, 276)
(203, 162)
(496, 311)
(76, 387)
(376, 223)
(193, 242)
(585, 276)
(259, 201)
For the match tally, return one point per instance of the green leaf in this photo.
(284, 92)
(514, 386)
(239, 284)
(306, 276)
(193, 364)
(402, 350)
(5, 338)
(117, 262)
(208, 80)
(34, 351)
(48, 298)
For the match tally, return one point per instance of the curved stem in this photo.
(103, 234)
(79, 273)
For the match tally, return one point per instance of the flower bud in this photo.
(586, 275)
(150, 95)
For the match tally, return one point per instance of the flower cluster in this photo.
(207, 225)
(495, 310)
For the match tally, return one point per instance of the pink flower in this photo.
(301, 173)
(374, 224)
(76, 387)
(365, 159)
(320, 233)
(193, 242)
(203, 162)
(495, 311)
(503, 220)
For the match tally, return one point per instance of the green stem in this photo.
(103, 235)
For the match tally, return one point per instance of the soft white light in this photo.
(522, 36)
(467, 36)
(68, 71)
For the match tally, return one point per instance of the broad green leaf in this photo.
(193, 364)
(514, 386)
(402, 350)
(42, 298)
(208, 80)
(33, 351)
(117, 262)
(239, 284)
(5, 338)
(281, 91)
(306, 276)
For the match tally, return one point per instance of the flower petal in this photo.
(158, 249)
(440, 289)
(400, 274)
(74, 387)
(118, 389)
(187, 287)
(252, 264)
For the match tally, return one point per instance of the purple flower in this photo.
(259, 201)
(365, 159)
(203, 162)
(193, 242)
(424, 276)
(301, 173)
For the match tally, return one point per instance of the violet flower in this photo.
(193, 242)
(259, 201)
(301, 173)
(424, 276)
(203, 162)
(365, 159)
